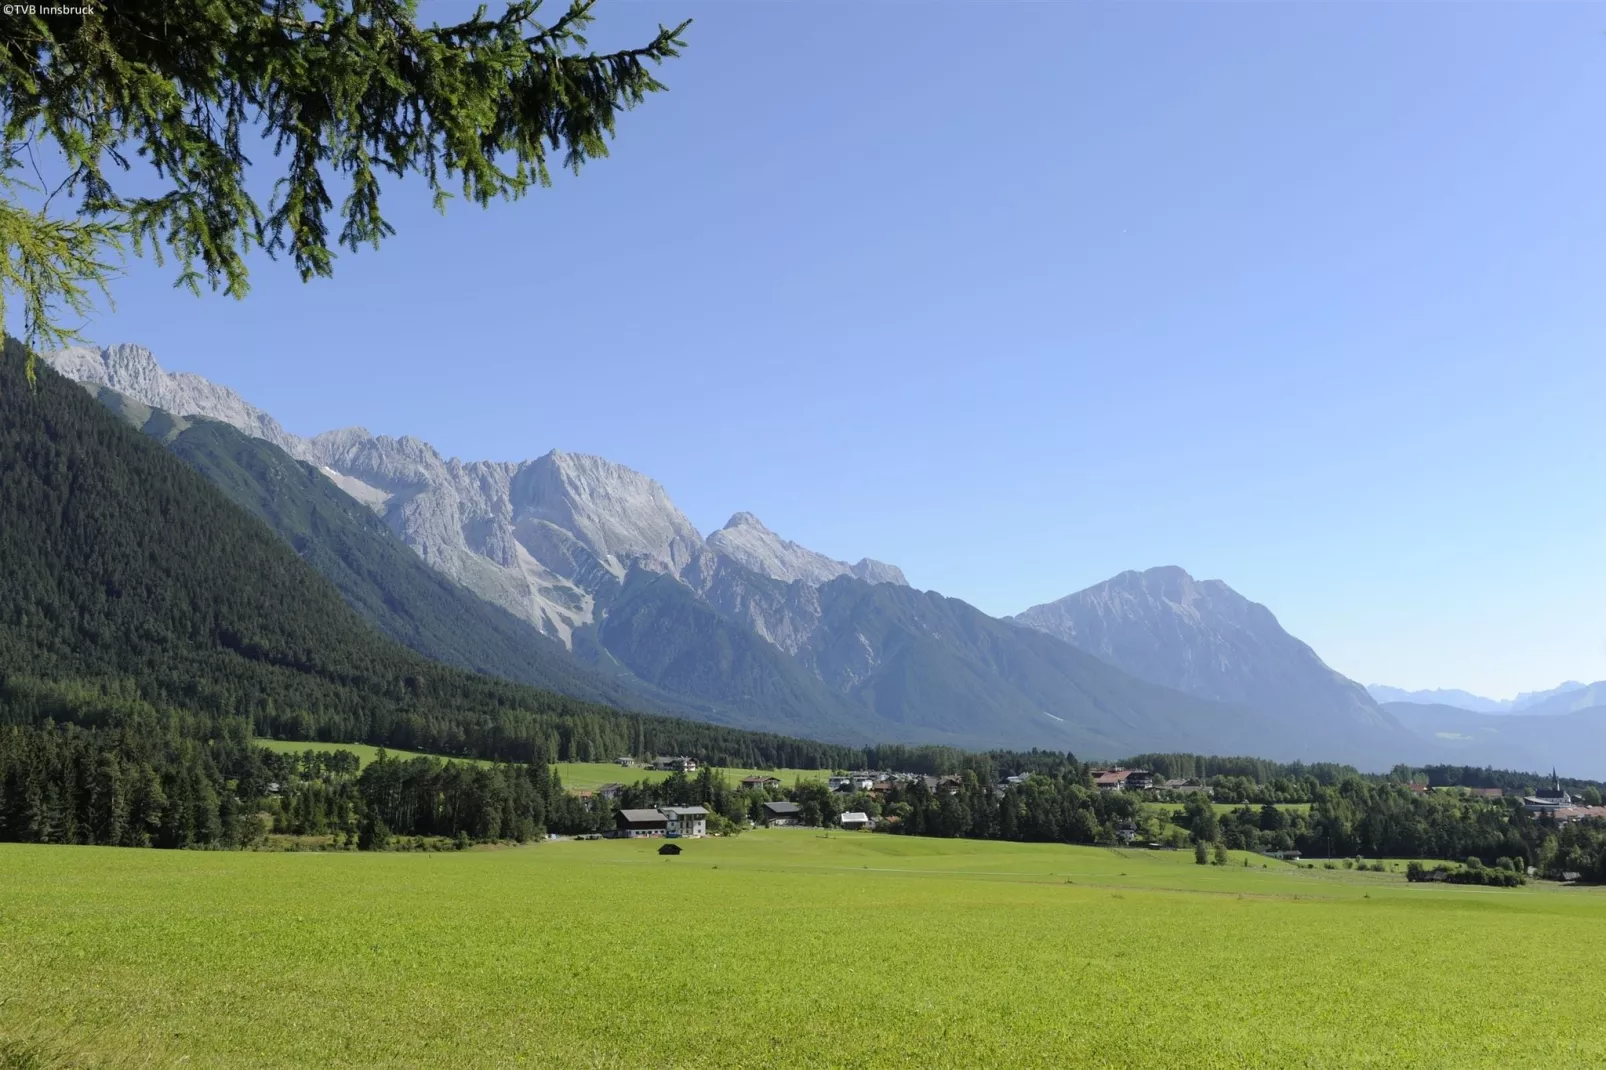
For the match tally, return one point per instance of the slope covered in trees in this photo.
(124, 566)
(376, 574)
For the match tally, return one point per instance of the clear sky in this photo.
(1309, 298)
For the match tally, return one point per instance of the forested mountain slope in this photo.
(125, 568)
(375, 573)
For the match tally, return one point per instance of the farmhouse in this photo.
(686, 820)
(1486, 793)
(782, 814)
(675, 765)
(1123, 779)
(611, 791)
(631, 824)
(854, 820)
(760, 783)
(669, 821)
(1568, 814)
(626, 762)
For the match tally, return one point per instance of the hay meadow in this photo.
(780, 948)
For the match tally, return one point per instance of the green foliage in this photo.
(1474, 872)
(55, 266)
(344, 92)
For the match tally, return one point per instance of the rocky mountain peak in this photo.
(1203, 638)
(747, 541)
(133, 371)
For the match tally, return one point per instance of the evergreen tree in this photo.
(350, 92)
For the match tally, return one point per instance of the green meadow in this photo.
(591, 775)
(363, 751)
(575, 775)
(779, 948)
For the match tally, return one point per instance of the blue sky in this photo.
(1309, 298)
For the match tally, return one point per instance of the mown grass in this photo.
(592, 775)
(363, 751)
(575, 775)
(783, 948)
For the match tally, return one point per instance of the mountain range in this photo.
(138, 594)
(1573, 742)
(597, 585)
(1565, 698)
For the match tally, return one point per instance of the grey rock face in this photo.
(745, 540)
(133, 371)
(1205, 639)
(542, 538)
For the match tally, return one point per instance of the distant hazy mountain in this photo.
(1464, 700)
(1205, 639)
(1574, 743)
(1555, 700)
(1568, 698)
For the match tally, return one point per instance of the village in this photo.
(674, 822)
(863, 794)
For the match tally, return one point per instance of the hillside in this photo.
(379, 577)
(125, 567)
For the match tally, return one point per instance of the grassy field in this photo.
(363, 751)
(589, 775)
(782, 948)
(595, 774)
